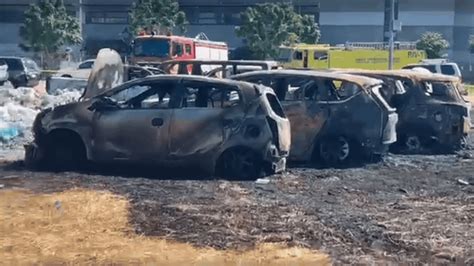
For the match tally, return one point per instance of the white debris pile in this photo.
(60, 97)
(18, 109)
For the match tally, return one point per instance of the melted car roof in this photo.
(403, 73)
(364, 82)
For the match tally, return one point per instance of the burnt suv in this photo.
(335, 118)
(229, 128)
(434, 117)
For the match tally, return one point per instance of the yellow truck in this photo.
(372, 56)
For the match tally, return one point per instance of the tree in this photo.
(268, 26)
(161, 16)
(48, 26)
(433, 43)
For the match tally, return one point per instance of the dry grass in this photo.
(91, 227)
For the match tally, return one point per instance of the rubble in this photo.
(18, 109)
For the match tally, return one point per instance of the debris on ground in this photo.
(262, 181)
(463, 182)
(18, 109)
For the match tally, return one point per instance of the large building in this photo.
(340, 21)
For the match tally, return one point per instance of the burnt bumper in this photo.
(466, 122)
(390, 130)
(275, 159)
(34, 155)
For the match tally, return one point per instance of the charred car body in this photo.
(335, 118)
(215, 68)
(231, 128)
(433, 116)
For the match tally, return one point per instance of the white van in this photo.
(439, 66)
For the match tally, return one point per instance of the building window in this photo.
(107, 18)
(208, 18)
(12, 15)
(214, 15)
(231, 15)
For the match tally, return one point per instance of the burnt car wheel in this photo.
(65, 151)
(413, 144)
(239, 163)
(335, 151)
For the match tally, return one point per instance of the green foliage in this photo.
(433, 43)
(268, 26)
(161, 16)
(48, 26)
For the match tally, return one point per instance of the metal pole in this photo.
(392, 35)
(81, 20)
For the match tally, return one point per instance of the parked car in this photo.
(3, 72)
(82, 70)
(58, 83)
(22, 71)
(433, 115)
(335, 118)
(229, 128)
(438, 66)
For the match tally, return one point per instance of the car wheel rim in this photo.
(344, 149)
(333, 151)
(240, 164)
(413, 143)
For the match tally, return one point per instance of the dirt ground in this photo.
(404, 210)
(91, 227)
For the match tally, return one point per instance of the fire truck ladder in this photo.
(201, 36)
(379, 45)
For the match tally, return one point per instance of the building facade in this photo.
(340, 21)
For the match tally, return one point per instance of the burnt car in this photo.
(215, 68)
(228, 128)
(22, 71)
(433, 115)
(335, 118)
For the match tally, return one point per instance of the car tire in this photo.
(65, 153)
(335, 151)
(412, 144)
(240, 164)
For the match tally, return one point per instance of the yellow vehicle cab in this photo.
(372, 56)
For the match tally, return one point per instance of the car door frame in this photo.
(217, 123)
(118, 145)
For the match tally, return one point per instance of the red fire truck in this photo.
(153, 49)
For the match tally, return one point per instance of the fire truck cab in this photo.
(154, 49)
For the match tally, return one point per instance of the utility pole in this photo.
(81, 22)
(392, 34)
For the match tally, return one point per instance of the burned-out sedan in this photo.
(434, 117)
(335, 118)
(229, 128)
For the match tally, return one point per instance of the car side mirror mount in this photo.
(103, 104)
(399, 88)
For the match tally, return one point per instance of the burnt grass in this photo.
(405, 209)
